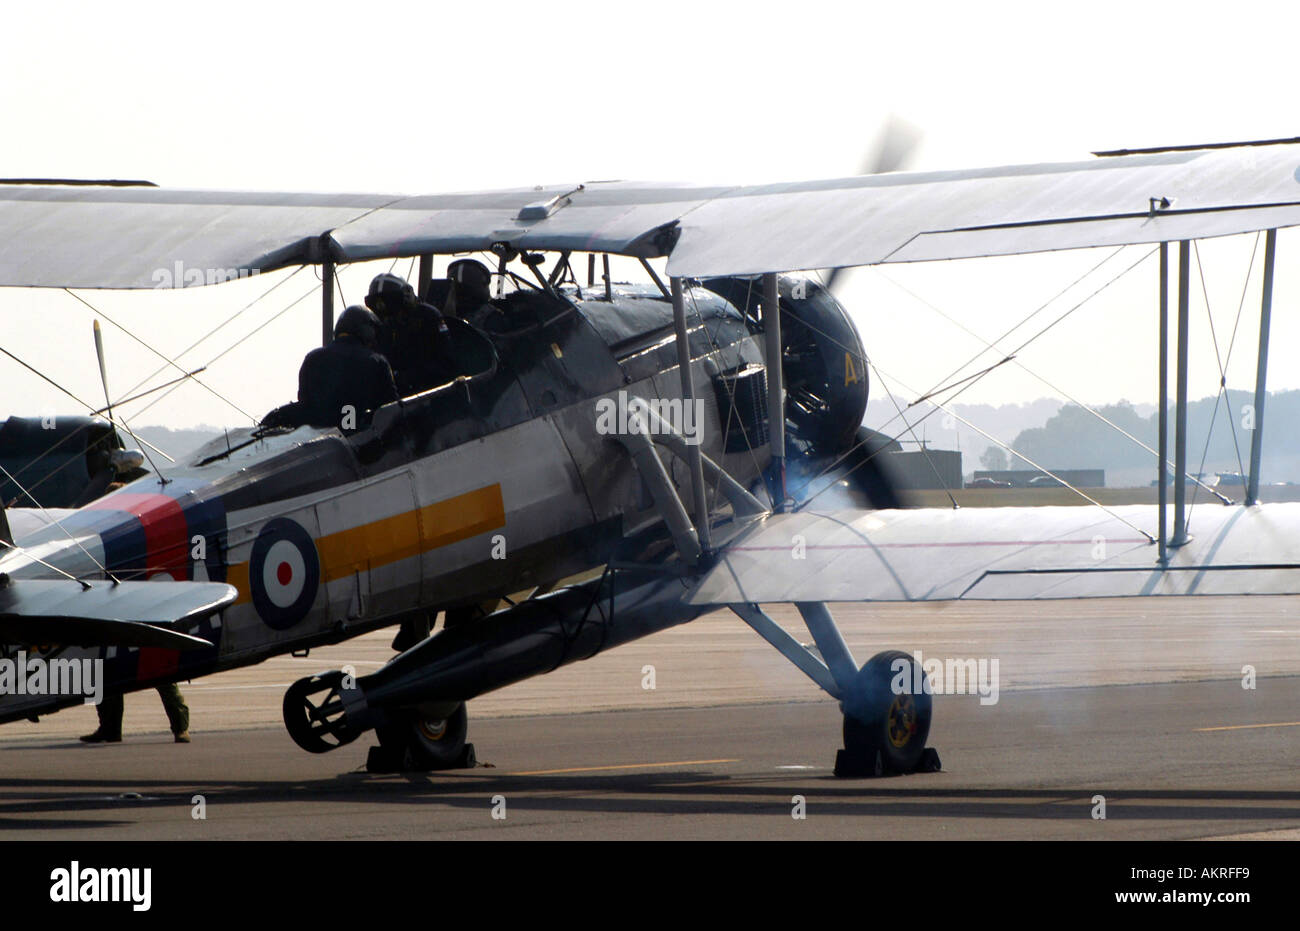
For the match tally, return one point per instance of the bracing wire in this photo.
(212, 332)
(968, 383)
(171, 362)
(1024, 368)
(237, 343)
(58, 523)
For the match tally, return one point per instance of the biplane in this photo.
(662, 444)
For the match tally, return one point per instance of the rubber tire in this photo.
(424, 752)
(871, 739)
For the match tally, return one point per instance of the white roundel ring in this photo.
(283, 573)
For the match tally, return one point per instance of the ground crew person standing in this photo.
(111, 708)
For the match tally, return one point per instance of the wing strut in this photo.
(775, 388)
(425, 276)
(1261, 368)
(830, 643)
(652, 471)
(1180, 402)
(790, 648)
(326, 301)
(1162, 420)
(688, 398)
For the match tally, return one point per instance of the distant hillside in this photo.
(1057, 434)
(1074, 438)
(939, 431)
(177, 443)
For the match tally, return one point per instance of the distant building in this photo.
(926, 468)
(1020, 478)
(1209, 480)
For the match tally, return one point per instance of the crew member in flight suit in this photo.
(348, 373)
(471, 295)
(414, 335)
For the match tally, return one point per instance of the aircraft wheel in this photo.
(318, 724)
(886, 727)
(425, 743)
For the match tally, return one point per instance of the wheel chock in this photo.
(850, 765)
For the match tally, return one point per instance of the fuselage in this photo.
(453, 497)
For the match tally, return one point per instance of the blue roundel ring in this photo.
(283, 573)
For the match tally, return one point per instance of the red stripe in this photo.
(157, 663)
(167, 545)
(166, 537)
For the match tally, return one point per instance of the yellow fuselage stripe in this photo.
(380, 542)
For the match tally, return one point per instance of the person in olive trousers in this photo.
(111, 708)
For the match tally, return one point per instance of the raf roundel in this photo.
(283, 573)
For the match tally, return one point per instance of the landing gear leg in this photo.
(414, 629)
(469, 613)
(416, 742)
(886, 703)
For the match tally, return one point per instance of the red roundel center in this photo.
(284, 573)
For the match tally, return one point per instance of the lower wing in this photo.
(72, 613)
(1003, 554)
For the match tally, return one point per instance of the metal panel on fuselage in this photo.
(370, 545)
(486, 502)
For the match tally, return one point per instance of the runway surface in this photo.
(731, 734)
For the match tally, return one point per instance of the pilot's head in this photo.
(389, 294)
(359, 324)
(473, 281)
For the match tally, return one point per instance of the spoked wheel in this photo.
(314, 713)
(887, 718)
(416, 742)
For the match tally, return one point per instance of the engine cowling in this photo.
(825, 372)
(824, 365)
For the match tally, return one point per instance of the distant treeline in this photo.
(1075, 438)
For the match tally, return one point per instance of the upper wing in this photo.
(89, 237)
(1003, 553)
(139, 237)
(45, 611)
(131, 237)
(997, 211)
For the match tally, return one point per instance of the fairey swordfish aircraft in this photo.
(664, 444)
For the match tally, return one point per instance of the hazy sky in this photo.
(415, 98)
